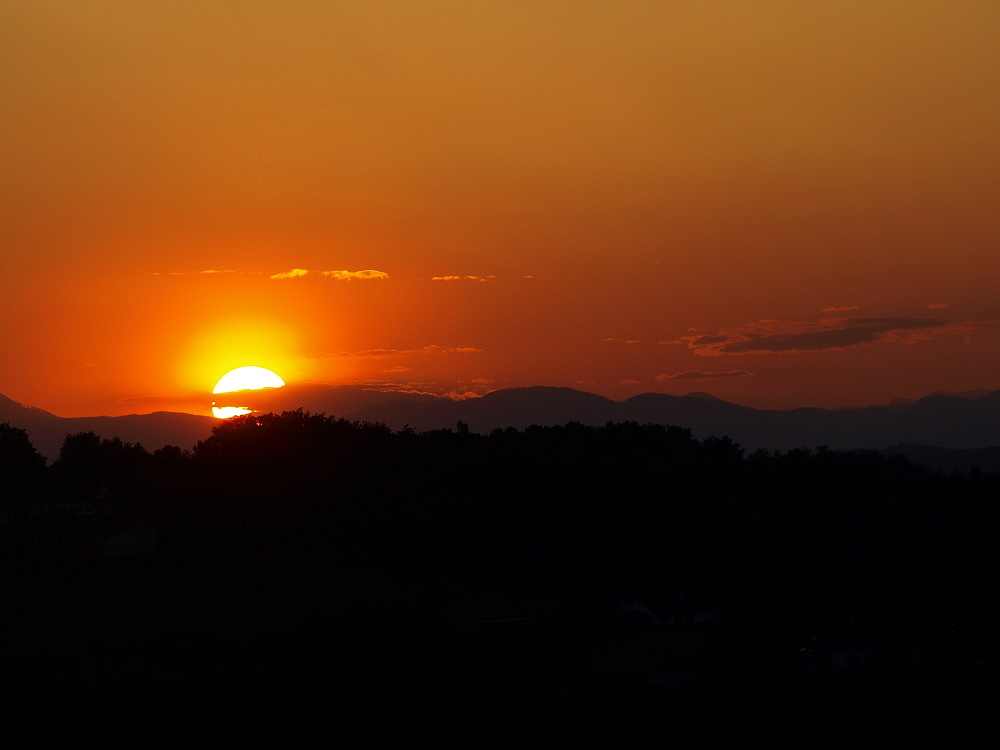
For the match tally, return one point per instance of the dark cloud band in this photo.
(771, 336)
(703, 375)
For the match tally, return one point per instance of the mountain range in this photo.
(945, 431)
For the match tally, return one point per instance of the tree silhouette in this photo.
(21, 466)
(86, 462)
(18, 457)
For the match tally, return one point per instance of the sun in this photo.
(248, 378)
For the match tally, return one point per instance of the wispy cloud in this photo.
(435, 349)
(367, 274)
(423, 350)
(771, 336)
(463, 278)
(629, 381)
(703, 375)
(615, 340)
(846, 308)
(295, 273)
(456, 391)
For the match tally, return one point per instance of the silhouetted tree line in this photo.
(576, 512)
(800, 554)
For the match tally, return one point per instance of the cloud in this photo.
(629, 381)
(463, 278)
(367, 353)
(462, 395)
(703, 375)
(435, 349)
(429, 349)
(614, 340)
(455, 392)
(937, 306)
(367, 274)
(771, 336)
(847, 308)
(295, 273)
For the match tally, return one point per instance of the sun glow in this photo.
(248, 378)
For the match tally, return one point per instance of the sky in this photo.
(782, 203)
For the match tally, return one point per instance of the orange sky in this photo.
(781, 203)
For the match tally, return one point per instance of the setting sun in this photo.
(250, 378)
(247, 379)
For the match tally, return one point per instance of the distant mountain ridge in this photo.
(153, 431)
(942, 429)
(944, 421)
